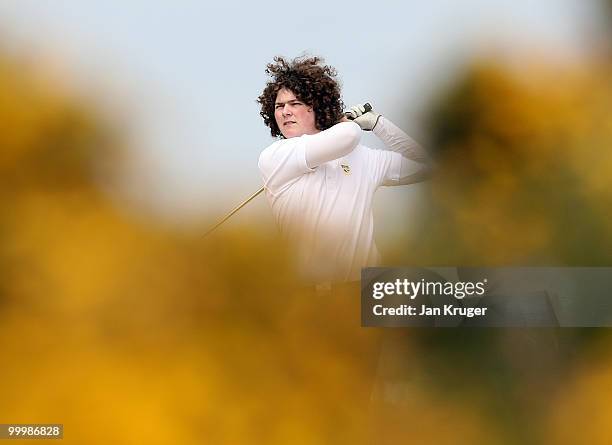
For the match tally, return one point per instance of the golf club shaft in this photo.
(241, 205)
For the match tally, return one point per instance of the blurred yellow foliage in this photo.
(524, 176)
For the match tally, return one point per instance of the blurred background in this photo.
(127, 129)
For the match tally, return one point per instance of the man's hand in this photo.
(367, 120)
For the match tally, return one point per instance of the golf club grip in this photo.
(367, 107)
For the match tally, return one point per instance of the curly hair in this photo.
(312, 83)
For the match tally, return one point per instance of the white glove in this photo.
(366, 120)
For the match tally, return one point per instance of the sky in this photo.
(182, 77)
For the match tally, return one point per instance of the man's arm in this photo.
(333, 143)
(283, 162)
(396, 140)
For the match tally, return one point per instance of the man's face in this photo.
(293, 117)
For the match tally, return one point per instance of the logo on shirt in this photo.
(346, 169)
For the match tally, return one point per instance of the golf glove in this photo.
(366, 120)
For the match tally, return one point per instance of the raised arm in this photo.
(333, 143)
(396, 140)
(286, 160)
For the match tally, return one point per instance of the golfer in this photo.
(318, 178)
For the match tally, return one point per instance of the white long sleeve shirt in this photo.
(320, 188)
